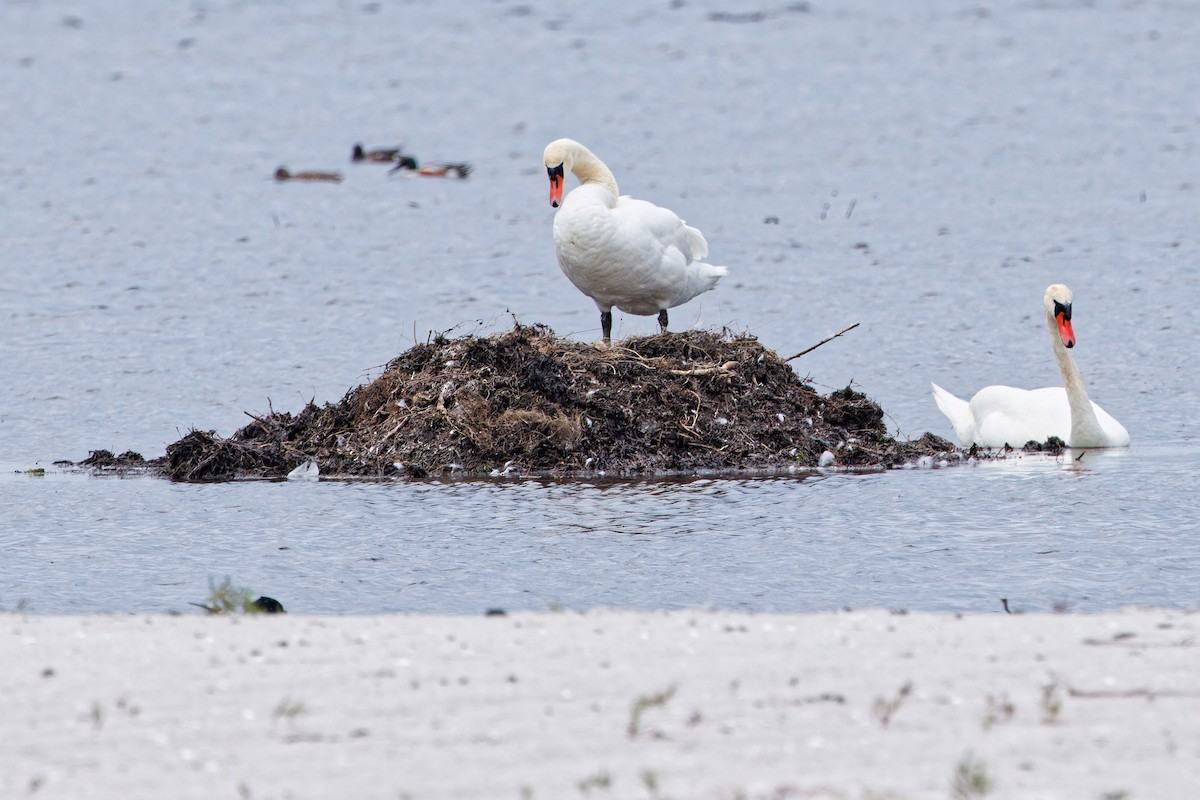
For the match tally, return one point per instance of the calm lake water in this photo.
(925, 171)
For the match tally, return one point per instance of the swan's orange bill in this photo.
(1064, 328)
(556, 184)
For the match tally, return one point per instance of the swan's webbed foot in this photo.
(606, 326)
(662, 321)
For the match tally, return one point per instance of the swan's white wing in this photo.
(655, 237)
(674, 273)
(664, 225)
(1004, 415)
(1115, 434)
(958, 411)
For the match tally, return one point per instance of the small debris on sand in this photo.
(527, 402)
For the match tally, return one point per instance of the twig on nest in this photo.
(823, 341)
(391, 433)
(690, 427)
(728, 366)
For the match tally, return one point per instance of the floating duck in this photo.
(282, 174)
(619, 251)
(436, 170)
(403, 162)
(383, 155)
(1001, 415)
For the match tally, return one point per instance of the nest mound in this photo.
(528, 402)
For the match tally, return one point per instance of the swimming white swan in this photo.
(1000, 415)
(619, 251)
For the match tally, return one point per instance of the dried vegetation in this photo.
(528, 402)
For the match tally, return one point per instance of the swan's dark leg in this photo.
(606, 325)
(662, 321)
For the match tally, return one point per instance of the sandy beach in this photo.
(686, 704)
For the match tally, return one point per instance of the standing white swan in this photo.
(619, 251)
(1001, 415)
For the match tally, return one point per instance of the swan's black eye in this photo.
(1064, 309)
(555, 172)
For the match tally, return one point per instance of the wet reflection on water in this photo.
(1099, 533)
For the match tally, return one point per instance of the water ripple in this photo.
(1038, 532)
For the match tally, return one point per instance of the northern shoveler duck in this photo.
(382, 155)
(404, 162)
(436, 170)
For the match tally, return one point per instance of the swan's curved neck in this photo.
(1085, 428)
(590, 169)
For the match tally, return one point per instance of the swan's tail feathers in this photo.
(710, 274)
(698, 279)
(958, 411)
(697, 241)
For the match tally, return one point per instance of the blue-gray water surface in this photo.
(1032, 531)
(925, 170)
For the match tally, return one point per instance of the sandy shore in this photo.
(603, 704)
